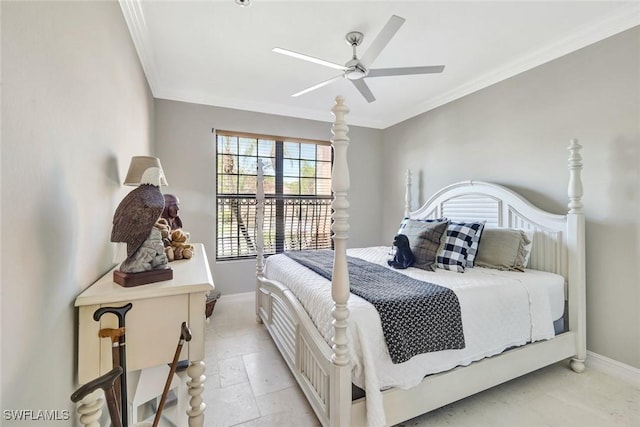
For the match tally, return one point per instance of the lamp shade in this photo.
(145, 170)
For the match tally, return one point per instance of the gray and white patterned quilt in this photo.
(417, 317)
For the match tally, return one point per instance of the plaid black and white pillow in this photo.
(457, 246)
(473, 250)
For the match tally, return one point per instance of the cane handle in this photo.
(120, 312)
(104, 382)
(185, 332)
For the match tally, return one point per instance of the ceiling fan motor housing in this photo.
(355, 70)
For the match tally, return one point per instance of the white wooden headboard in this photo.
(501, 207)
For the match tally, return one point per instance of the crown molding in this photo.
(261, 107)
(134, 17)
(621, 20)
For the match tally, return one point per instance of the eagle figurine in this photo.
(137, 213)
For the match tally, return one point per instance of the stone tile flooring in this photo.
(248, 384)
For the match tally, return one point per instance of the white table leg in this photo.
(90, 409)
(195, 371)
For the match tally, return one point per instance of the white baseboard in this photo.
(241, 297)
(614, 368)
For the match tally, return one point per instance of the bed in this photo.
(319, 326)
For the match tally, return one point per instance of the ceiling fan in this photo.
(356, 69)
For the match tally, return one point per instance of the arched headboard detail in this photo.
(501, 207)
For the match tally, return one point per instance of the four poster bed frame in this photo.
(324, 372)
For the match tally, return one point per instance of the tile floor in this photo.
(249, 385)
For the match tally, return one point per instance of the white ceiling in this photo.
(216, 53)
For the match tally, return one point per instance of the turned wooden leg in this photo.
(195, 371)
(577, 365)
(90, 409)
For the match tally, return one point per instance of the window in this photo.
(297, 188)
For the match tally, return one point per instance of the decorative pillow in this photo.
(502, 249)
(475, 242)
(406, 220)
(425, 237)
(458, 245)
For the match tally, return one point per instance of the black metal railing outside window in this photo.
(297, 186)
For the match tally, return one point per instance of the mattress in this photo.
(500, 310)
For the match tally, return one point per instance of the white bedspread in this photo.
(499, 310)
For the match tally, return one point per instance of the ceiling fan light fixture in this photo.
(243, 3)
(356, 73)
(355, 70)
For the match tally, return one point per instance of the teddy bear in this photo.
(179, 248)
(404, 257)
(165, 231)
(175, 242)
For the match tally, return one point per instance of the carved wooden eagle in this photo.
(136, 215)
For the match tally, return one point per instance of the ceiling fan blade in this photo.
(318, 86)
(309, 58)
(383, 72)
(364, 89)
(388, 31)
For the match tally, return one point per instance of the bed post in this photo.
(340, 393)
(407, 194)
(576, 248)
(259, 234)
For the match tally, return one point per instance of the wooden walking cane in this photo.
(185, 335)
(120, 313)
(115, 335)
(107, 383)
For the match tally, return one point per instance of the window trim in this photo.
(269, 137)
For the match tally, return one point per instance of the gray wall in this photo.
(186, 146)
(516, 133)
(75, 108)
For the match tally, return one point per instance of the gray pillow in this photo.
(502, 249)
(425, 239)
